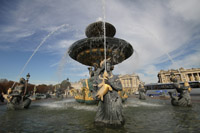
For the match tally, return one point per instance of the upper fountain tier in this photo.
(91, 50)
(96, 30)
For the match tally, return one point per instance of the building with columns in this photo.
(182, 75)
(130, 82)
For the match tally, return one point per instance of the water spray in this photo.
(104, 30)
(62, 64)
(42, 42)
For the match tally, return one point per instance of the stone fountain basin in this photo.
(91, 50)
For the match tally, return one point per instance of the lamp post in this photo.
(27, 78)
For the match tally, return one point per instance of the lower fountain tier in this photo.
(91, 50)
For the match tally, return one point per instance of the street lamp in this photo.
(27, 78)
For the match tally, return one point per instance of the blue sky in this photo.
(154, 28)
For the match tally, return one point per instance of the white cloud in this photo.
(148, 78)
(149, 74)
(24, 34)
(189, 61)
(36, 16)
(153, 27)
(188, 9)
(10, 29)
(60, 45)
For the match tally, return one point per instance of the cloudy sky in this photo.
(158, 31)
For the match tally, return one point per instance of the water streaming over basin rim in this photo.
(152, 115)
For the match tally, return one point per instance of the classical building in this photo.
(182, 75)
(130, 81)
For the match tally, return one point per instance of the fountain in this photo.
(102, 51)
(17, 97)
(181, 95)
(142, 92)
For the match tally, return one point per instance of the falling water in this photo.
(136, 59)
(42, 42)
(104, 29)
(61, 65)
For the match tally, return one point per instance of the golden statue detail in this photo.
(104, 88)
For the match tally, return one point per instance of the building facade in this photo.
(182, 75)
(130, 82)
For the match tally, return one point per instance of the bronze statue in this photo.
(181, 95)
(142, 91)
(110, 103)
(17, 97)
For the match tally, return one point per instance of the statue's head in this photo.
(173, 77)
(22, 81)
(109, 66)
(141, 85)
